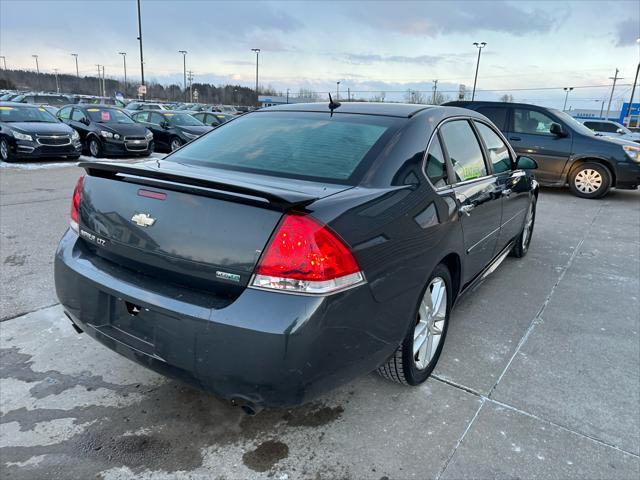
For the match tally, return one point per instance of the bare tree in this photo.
(414, 96)
(378, 98)
(507, 98)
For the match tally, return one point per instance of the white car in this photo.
(612, 129)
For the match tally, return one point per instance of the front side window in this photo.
(464, 150)
(77, 115)
(182, 120)
(302, 145)
(64, 113)
(608, 127)
(499, 155)
(141, 117)
(436, 167)
(531, 122)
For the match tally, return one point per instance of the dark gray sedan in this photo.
(296, 247)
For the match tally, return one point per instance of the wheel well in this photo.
(577, 163)
(452, 262)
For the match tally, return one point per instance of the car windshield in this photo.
(26, 114)
(182, 120)
(302, 145)
(108, 115)
(572, 122)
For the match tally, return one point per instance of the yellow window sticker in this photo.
(93, 109)
(7, 108)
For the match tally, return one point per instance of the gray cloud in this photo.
(627, 32)
(433, 18)
(367, 59)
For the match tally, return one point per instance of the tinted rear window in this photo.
(498, 115)
(304, 145)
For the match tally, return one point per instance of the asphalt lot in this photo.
(539, 377)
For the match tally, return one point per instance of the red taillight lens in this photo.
(75, 204)
(307, 257)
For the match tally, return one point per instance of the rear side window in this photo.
(497, 115)
(498, 152)
(305, 145)
(608, 127)
(435, 167)
(464, 150)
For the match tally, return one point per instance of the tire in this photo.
(406, 367)
(5, 151)
(521, 247)
(95, 147)
(175, 144)
(590, 180)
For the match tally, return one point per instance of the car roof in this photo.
(404, 110)
(467, 103)
(20, 104)
(93, 105)
(161, 112)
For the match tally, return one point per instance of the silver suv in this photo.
(611, 129)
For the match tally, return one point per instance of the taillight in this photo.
(75, 204)
(305, 256)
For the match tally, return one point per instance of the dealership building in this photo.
(614, 115)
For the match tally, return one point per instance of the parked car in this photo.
(295, 248)
(98, 100)
(193, 107)
(107, 131)
(136, 106)
(566, 151)
(54, 100)
(212, 119)
(171, 129)
(609, 128)
(29, 132)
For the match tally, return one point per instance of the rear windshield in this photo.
(304, 145)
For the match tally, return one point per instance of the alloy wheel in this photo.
(175, 144)
(588, 181)
(4, 150)
(430, 324)
(94, 148)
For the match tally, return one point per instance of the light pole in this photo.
(566, 97)
(37, 71)
(55, 71)
(287, 95)
(99, 80)
(141, 56)
(633, 91)
(75, 55)
(257, 51)
(338, 90)
(479, 46)
(615, 79)
(124, 64)
(184, 71)
(4, 61)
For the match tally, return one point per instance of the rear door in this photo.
(530, 135)
(477, 193)
(511, 183)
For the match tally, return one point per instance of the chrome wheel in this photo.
(588, 181)
(175, 144)
(528, 227)
(4, 150)
(432, 316)
(94, 148)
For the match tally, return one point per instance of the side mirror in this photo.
(557, 130)
(84, 120)
(620, 131)
(526, 163)
(164, 124)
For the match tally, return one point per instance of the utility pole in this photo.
(190, 77)
(184, 71)
(479, 46)
(615, 79)
(4, 61)
(435, 89)
(77, 71)
(37, 70)
(602, 109)
(633, 91)
(55, 71)
(99, 81)
(104, 84)
(141, 56)
(287, 95)
(338, 90)
(124, 60)
(348, 94)
(257, 52)
(566, 97)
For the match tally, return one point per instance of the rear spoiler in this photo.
(199, 184)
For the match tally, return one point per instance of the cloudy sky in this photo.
(368, 46)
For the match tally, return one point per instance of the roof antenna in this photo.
(333, 105)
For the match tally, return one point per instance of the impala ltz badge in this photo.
(143, 219)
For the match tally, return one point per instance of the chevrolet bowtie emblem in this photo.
(143, 219)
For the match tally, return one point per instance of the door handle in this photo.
(515, 139)
(506, 192)
(466, 209)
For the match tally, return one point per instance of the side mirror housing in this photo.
(620, 131)
(526, 163)
(85, 120)
(164, 124)
(557, 130)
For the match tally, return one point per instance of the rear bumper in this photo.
(270, 349)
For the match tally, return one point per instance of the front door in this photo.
(530, 135)
(477, 194)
